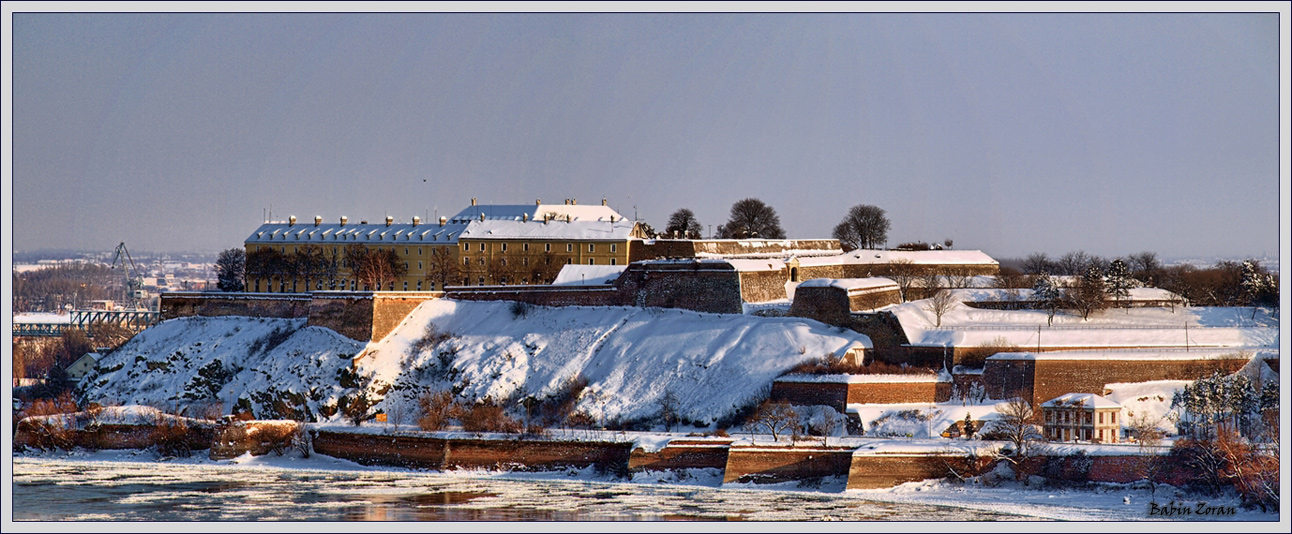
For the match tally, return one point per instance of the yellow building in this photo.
(481, 245)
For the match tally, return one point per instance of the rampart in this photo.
(1040, 378)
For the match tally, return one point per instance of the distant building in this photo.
(1081, 417)
(82, 366)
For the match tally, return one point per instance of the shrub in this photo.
(356, 410)
(487, 416)
(437, 410)
(431, 337)
(519, 310)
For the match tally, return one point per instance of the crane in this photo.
(132, 280)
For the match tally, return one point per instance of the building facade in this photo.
(481, 245)
(1081, 417)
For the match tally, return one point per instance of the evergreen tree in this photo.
(1119, 281)
(1090, 294)
(1048, 295)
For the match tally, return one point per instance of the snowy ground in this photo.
(965, 326)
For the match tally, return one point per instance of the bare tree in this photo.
(751, 218)
(775, 418)
(864, 226)
(683, 224)
(442, 268)
(1090, 294)
(230, 270)
(940, 304)
(1017, 426)
(903, 271)
(1038, 263)
(669, 405)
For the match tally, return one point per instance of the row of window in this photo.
(547, 247)
(1081, 417)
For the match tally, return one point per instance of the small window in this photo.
(405, 286)
(419, 264)
(614, 248)
(481, 280)
(592, 261)
(613, 262)
(569, 247)
(547, 247)
(405, 251)
(524, 247)
(419, 285)
(466, 247)
(592, 247)
(465, 262)
(419, 251)
(504, 247)
(524, 261)
(569, 261)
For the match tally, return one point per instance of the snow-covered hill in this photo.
(714, 364)
(272, 366)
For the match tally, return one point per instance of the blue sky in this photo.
(1009, 133)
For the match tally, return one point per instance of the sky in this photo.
(1010, 133)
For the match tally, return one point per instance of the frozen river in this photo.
(63, 489)
(134, 486)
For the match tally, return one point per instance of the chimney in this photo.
(443, 220)
(389, 220)
(574, 202)
(567, 217)
(603, 201)
(567, 202)
(291, 220)
(524, 217)
(343, 220)
(482, 216)
(473, 201)
(538, 202)
(318, 219)
(416, 220)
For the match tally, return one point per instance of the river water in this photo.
(70, 489)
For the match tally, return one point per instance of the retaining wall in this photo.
(779, 463)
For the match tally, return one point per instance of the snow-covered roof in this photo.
(1084, 400)
(620, 230)
(282, 233)
(1139, 294)
(1138, 354)
(867, 379)
(757, 265)
(537, 212)
(849, 284)
(576, 274)
(918, 257)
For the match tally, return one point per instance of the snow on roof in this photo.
(1138, 294)
(300, 233)
(848, 284)
(41, 317)
(918, 257)
(747, 265)
(576, 274)
(537, 212)
(866, 379)
(1084, 400)
(1136, 354)
(620, 230)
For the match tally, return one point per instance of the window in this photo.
(592, 261)
(419, 251)
(547, 247)
(569, 247)
(592, 247)
(419, 285)
(405, 286)
(504, 247)
(524, 247)
(419, 263)
(406, 251)
(466, 247)
(614, 248)
(466, 261)
(481, 280)
(612, 261)
(569, 261)
(524, 261)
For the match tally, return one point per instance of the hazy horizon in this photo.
(1007, 133)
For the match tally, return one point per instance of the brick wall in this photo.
(1048, 377)
(888, 470)
(834, 395)
(682, 454)
(433, 452)
(543, 295)
(898, 392)
(779, 463)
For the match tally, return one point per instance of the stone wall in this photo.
(869, 471)
(832, 394)
(348, 314)
(186, 304)
(438, 452)
(763, 286)
(700, 286)
(543, 295)
(839, 394)
(827, 304)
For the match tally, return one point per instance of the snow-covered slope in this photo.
(714, 364)
(256, 362)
